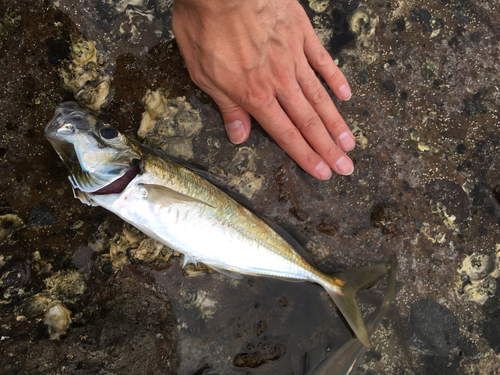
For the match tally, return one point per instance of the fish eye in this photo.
(109, 134)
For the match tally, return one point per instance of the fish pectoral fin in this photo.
(230, 274)
(165, 196)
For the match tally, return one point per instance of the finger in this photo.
(311, 127)
(278, 125)
(323, 63)
(321, 102)
(237, 122)
(236, 119)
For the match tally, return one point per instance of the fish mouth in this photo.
(68, 119)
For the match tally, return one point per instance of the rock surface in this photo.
(425, 107)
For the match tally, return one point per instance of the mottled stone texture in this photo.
(426, 188)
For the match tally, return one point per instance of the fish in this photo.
(180, 209)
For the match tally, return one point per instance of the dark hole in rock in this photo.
(59, 49)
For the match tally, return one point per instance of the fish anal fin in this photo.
(166, 196)
(230, 274)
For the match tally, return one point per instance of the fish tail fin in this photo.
(342, 288)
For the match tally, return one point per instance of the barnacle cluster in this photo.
(9, 223)
(359, 135)
(169, 124)
(242, 175)
(318, 5)
(55, 315)
(84, 73)
(131, 244)
(363, 23)
(477, 277)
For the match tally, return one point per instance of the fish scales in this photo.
(222, 234)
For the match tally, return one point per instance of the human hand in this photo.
(257, 58)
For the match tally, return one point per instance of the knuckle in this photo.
(319, 96)
(257, 98)
(197, 77)
(323, 58)
(311, 158)
(290, 136)
(310, 125)
(330, 151)
(334, 75)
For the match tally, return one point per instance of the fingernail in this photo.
(345, 92)
(344, 166)
(236, 131)
(323, 170)
(347, 141)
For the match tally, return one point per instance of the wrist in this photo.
(220, 7)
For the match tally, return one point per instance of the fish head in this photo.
(96, 154)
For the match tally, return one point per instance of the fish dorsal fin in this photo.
(166, 197)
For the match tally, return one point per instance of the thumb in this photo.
(237, 122)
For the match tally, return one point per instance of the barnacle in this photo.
(359, 19)
(9, 224)
(58, 318)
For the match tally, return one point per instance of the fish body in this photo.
(180, 209)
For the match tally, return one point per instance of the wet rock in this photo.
(328, 229)
(469, 348)
(201, 302)
(400, 24)
(389, 85)
(432, 328)
(385, 216)
(491, 332)
(423, 17)
(14, 277)
(462, 18)
(82, 259)
(473, 106)
(41, 216)
(451, 196)
(268, 352)
(461, 148)
(429, 70)
(247, 184)
(363, 76)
